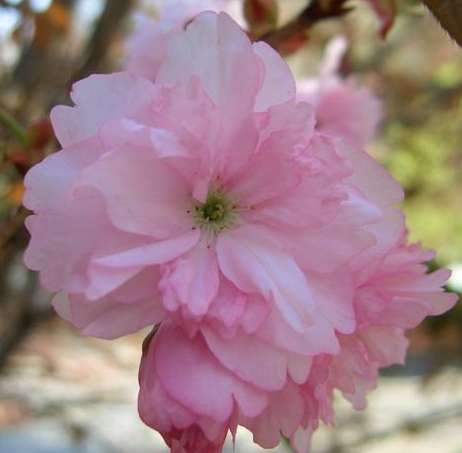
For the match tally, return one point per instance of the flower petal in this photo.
(255, 265)
(157, 253)
(133, 306)
(261, 365)
(368, 175)
(98, 99)
(216, 50)
(194, 279)
(48, 182)
(192, 375)
(278, 82)
(143, 194)
(109, 272)
(318, 338)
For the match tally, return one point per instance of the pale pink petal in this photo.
(286, 125)
(233, 151)
(188, 370)
(349, 113)
(155, 253)
(386, 345)
(402, 283)
(198, 52)
(255, 265)
(352, 371)
(407, 312)
(48, 182)
(388, 232)
(382, 189)
(102, 280)
(194, 279)
(229, 305)
(128, 133)
(146, 48)
(108, 272)
(135, 305)
(299, 367)
(256, 312)
(282, 416)
(342, 109)
(51, 251)
(266, 176)
(334, 294)
(278, 84)
(317, 338)
(357, 209)
(331, 247)
(100, 98)
(252, 366)
(143, 194)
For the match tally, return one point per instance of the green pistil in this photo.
(215, 214)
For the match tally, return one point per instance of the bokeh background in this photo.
(61, 393)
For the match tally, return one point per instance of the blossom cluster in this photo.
(202, 192)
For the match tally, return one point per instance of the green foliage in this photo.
(426, 157)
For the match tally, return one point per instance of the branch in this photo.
(104, 33)
(297, 28)
(449, 15)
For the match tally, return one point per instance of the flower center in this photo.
(216, 213)
(213, 210)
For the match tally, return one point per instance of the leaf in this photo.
(13, 127)
(449, 15)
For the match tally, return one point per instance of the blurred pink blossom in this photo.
(342, 108)
(271, 252)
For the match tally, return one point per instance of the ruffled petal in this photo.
(255, 265)
(142, 193)
(133, 306)
(190, 373)
(98, 99)
(199, 52)
(107, 273)
(278, 85)
(48, 182)
(192, 280)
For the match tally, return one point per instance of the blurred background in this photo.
(62, 393)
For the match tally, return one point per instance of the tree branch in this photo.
(449, 15)
(297, 28)
(104, 33)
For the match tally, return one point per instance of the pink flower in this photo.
(395, 297)
(207, 202)
(147, 44)
(342, 108)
